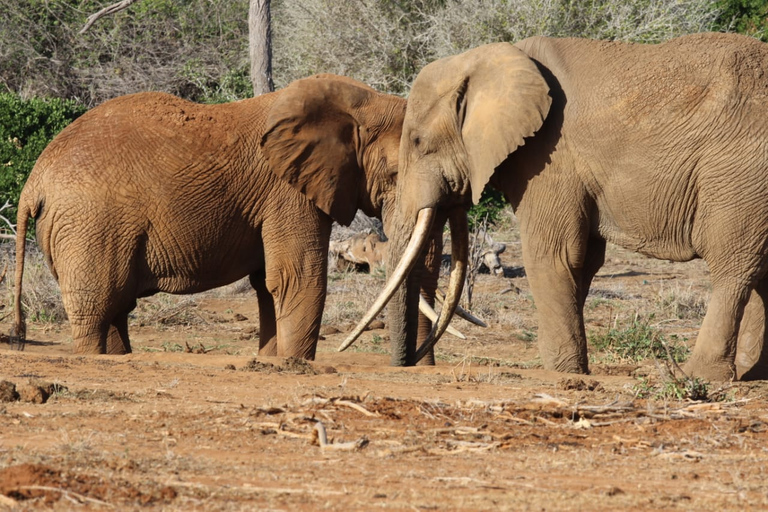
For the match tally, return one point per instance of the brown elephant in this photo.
(662, 149)
(149, 193)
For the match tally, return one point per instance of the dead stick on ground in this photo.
(358, 408)
(64, 492)
(321, 436)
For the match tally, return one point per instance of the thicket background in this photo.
(198, 49)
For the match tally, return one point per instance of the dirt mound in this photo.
(8, 391)
(40, 482)
(294, 365)
(32, 392)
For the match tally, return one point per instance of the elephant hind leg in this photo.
(98, 313)
(737, 264)
(713, 357)
(751, 349)
(117, 336)
(95, 335)
(267, 321)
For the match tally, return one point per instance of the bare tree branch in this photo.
(11, 226)
(112, 9)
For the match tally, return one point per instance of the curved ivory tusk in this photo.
(460, 311)
(407, 261)
(430, 313)
(459, 256)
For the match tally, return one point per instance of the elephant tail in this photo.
(18, 333)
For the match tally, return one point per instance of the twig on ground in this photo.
(320, 437)
(68, 494)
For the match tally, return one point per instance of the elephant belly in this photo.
(201, 268)
(674, 246)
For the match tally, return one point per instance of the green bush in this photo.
(637, 342)
(26, 127)
(748, 17)
(488, 208)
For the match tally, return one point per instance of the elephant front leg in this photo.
(562, 340)
(296, 278)
(428, 271)
(560, 287)
(299, 301)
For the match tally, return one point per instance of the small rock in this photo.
(240, 318)
(376, 324)
(327, 330)
(33, 394)
(579, 385)
(8, 391)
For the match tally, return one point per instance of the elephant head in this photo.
(336, 140)
(465, 115)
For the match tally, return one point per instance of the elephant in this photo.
(658, 148)
(149, 192)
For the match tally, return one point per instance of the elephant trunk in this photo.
(397, 277)
(459, 258)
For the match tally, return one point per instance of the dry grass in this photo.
(41, 296)
(684, 302)
(350, 294)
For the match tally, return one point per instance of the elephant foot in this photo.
(88, 349)
(717, 371)
(757, 372)
(427, 360)
(117, 349)
(570, 364)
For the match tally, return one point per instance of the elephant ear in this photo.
(502, 99)
(312, 141)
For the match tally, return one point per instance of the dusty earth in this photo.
(192, 421)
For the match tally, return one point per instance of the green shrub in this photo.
(489, 207)
(26, 127)
(748, 17)
(637, 342)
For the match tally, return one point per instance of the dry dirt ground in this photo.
(192, 421)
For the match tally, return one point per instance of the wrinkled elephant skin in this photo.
(661, 149)
(150, 193)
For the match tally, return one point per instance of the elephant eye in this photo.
(416, 140)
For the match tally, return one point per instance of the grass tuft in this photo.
(637, 342)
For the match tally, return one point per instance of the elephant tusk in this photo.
(460, 311)
(430, 313)
(459, 256)
(419, 237)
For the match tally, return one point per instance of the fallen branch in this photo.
(69, 494)
(320, 437)
(358, 408)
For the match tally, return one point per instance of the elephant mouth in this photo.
(459, 255)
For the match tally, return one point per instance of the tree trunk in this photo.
(260, 46)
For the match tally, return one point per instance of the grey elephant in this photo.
(150, 193)
(662, 149)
